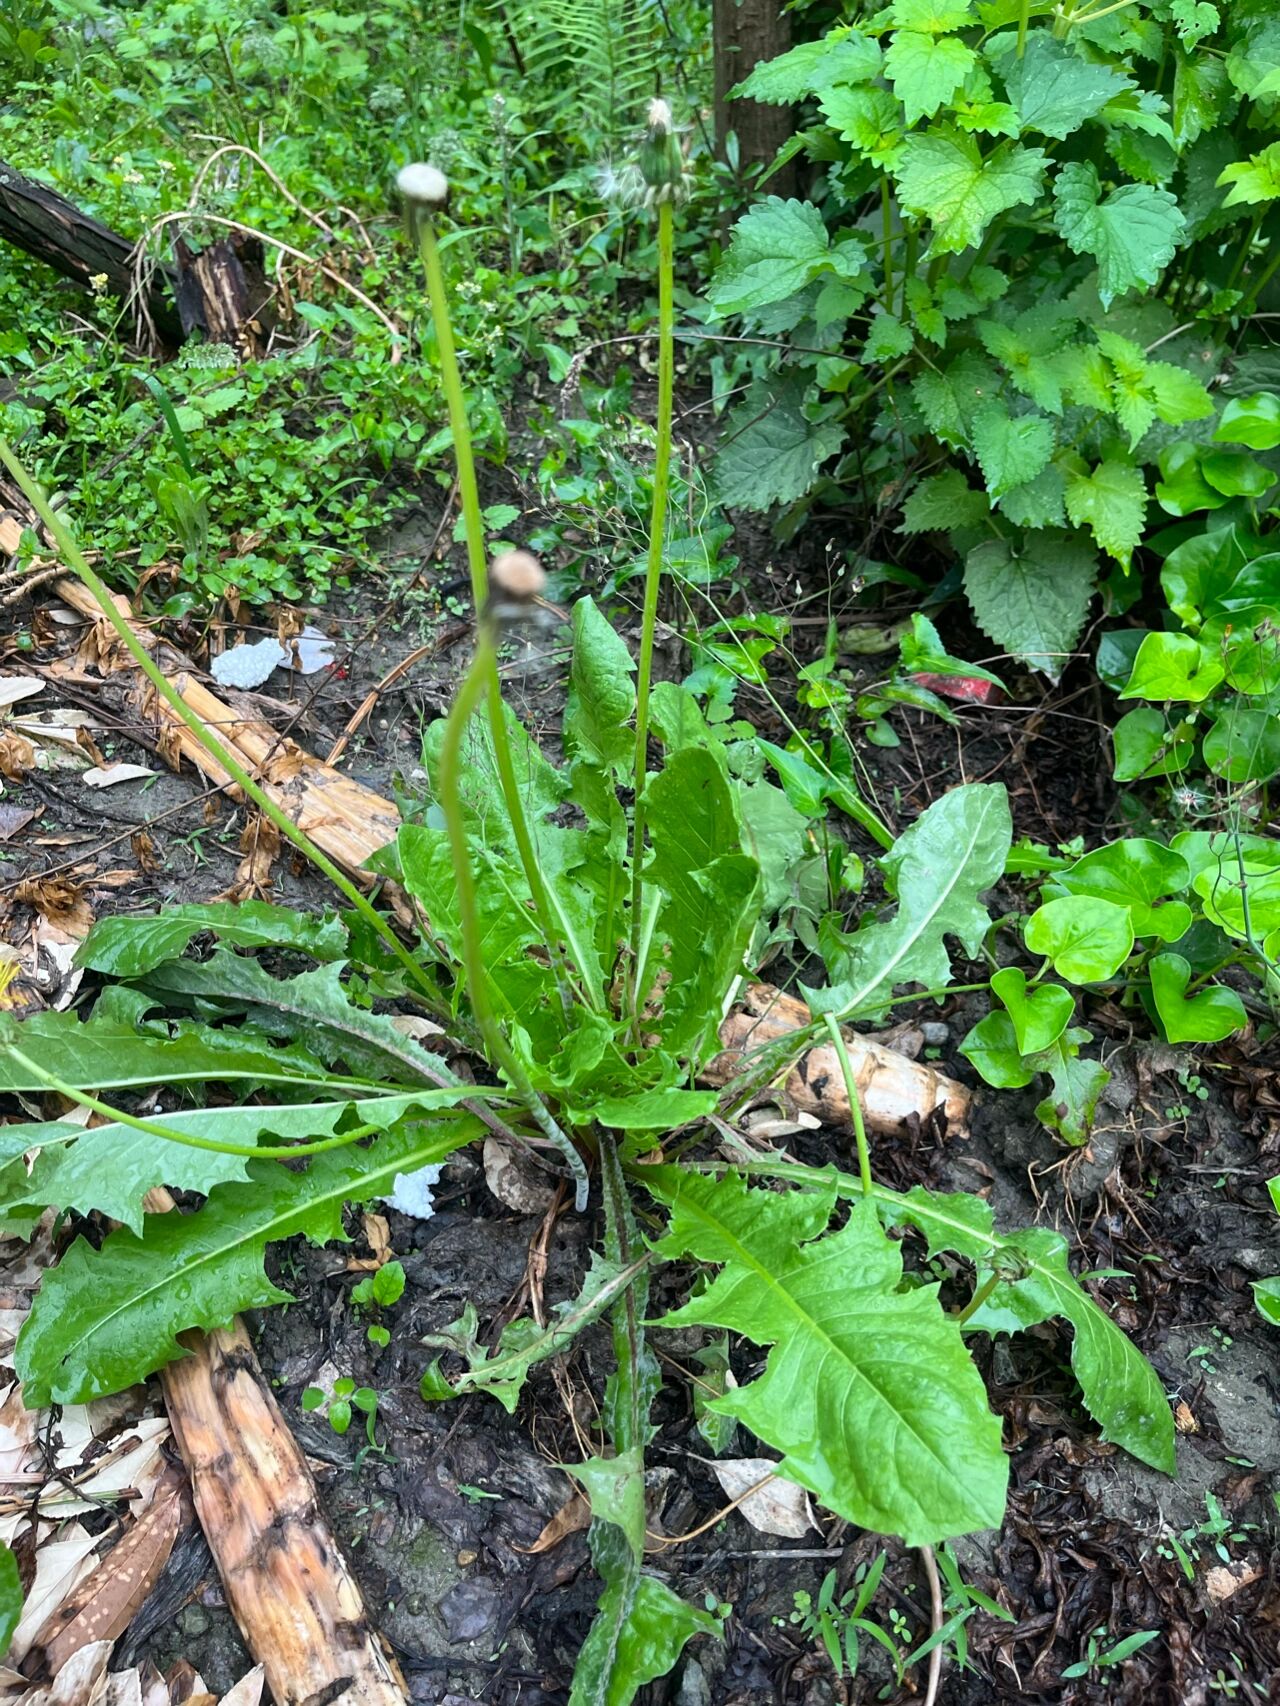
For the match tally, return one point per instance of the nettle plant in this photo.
(583, 927)
(1032, 231)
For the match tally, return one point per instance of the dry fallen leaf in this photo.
(17, 756)
(260, 844)
(58, 899)
(1224, 1580)
(99, 777)
(776, 1507)
(246, 1692)
(572, 1517)
(513, 1179)
(144, 851)
(15, 687)
(79, 1683)
(61, 1565)
(13, 818)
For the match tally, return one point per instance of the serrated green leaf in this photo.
(944, 178)
(1131, 233)
(1027, 350)
(106, 1318)
(949, 400)
(887, 339)
(1201, 93)
(926, 70)
(811, 68)
(1206, 1017)
(1193, 20)
(1112, 503)
(1031, 598)
(868, 1391)
(1054, 90)
(870, 118)
(1138, 874)
(1120, 1388)
(129, 947)
(1254, 181)
(1040, 502)
(771, 451)
(774, 251)
(943, 501)
(1011, 449)
(602, 698)
(936, 870)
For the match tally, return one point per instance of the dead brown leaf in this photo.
(144, 851)
(58, 899)
(86, 743)
(79, 1683)
(103, 1606)
(10, 534)
(569, 1519)
(17, 756)
(260, 844)
(12, 819)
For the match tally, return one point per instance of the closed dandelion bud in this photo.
(660, 159)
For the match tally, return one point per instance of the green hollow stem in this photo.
(76, 560)
(1260, 283)
(653, 568)
(471, 691)
(546, 909)
(886, 211)
(855, 1103)
(1024, 15)
(153, 1128)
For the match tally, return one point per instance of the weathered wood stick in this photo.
(45, 224)
(288, 1585)
(890, 1087)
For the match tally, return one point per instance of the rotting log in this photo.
(891, 1088)
(287, 1583)
(43, 223)
(346, 820)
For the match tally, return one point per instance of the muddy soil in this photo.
(442, 1508)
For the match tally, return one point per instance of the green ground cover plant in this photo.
(1014, 317)
(586, 922)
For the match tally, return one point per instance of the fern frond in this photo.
(600, 56)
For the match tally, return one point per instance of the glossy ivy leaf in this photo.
(774, 251)
(1234, 475)
(1205, 1017)
(936, 871)
(1112, 502)
(1120, 1388)
(991, 1048)
(1243, 745)
(602, 696)
(1054, 90)
(868, 1391)
(106, 1318)
(1253, 421)
(841, 57)
(1011, 449)
(1266, 1298)
(1077, 1084)
(1031, 596)
(771, 450)
(1085, 939)
(1182, 489)
(943, 501)
(926, 70)
(1038, 1015)
(1174, 668)
(1199, 575)
(1240, 892)
(1131, 233)
(944, 177)
(129, 947)
(109, 1169)
(10, 1598)
(1138, 874)
(1146, 745)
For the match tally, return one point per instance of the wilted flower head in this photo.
(423, 185)
(516, 584)
(656, 172)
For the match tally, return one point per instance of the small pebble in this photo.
(935, 1033)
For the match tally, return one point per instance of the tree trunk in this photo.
(45, 224)
(745, 32)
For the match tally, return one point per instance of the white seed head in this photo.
(660, 121)
(423, 184)
(517, 575)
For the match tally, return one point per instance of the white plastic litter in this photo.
(315, 651)
(108, 776)
(247, 666)
(411, 1193)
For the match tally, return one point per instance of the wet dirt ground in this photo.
(440, 1512)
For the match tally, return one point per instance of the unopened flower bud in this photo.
(660, 160)
(517, 577)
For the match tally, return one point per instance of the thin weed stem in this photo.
(855, 1104)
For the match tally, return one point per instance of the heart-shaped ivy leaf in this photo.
(1205, 1017)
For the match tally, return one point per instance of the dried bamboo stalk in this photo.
(890, 1087)
(345, 819)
